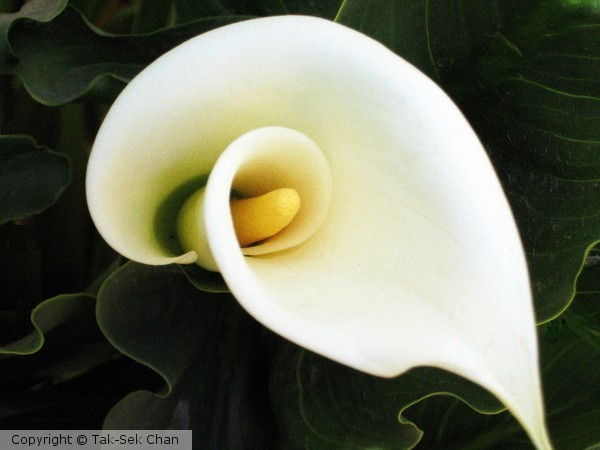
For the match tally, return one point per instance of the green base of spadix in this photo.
(165, 222)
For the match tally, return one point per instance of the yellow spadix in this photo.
(258, 218)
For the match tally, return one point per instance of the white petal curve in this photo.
(258, 162)
(270, 158)
(418, 262)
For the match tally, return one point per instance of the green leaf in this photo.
(537, 110)
(326, 405)
(203, 345)
(590, 5)
(583, 315)
(204, 279)
(191, 9)
(64, 344)
(571, 373)
(31, 178)
(79, 403)
(64, 374)
(38, 10)
(67, 58)
(437, 36)
(155, 14)
(46, 317)
(152, 15)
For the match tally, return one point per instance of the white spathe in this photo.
(413, 257)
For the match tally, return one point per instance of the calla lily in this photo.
(402, 252)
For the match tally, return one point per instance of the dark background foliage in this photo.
(88, 338)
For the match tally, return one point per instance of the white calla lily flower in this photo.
(401, 249)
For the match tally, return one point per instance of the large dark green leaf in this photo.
(437, 36)
(152, 15)
(204, 346)
(65, 343)
(321, 404)
(192, 9)
(571, 369)
(38, 10)
(584, 314)
(59, 56)
(538, 113)
(64, 374)
(63, 59)
(44, 317)
(31, 177)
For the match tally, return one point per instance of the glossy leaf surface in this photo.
(62, 60)
(31, 178)
(204, 346)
